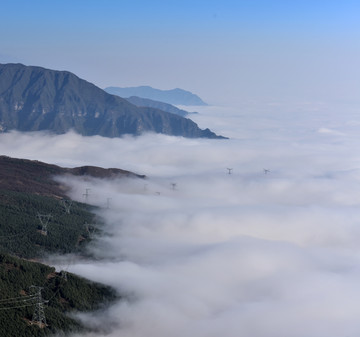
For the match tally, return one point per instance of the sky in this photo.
(224, 51)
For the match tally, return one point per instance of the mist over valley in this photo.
(196, 248)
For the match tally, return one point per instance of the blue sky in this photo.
(222, 50)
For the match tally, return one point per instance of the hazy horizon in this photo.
(224, 51)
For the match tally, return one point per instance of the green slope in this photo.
(21, 230)
(27, 191)
(59, 295)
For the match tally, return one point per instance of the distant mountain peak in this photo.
(175, 96)
(35, 98)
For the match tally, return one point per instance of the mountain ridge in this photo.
(150, 103)
(34, 98)
(33, 176)
(175, 96)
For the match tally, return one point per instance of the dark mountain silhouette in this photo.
(146, 102)
(32, 176)
(175, 96)
(34, 99)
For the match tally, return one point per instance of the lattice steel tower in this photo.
(39, 313)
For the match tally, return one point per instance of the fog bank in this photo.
(270, 250)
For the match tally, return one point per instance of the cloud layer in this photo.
(201, 252)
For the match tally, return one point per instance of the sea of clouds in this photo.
(197, 251)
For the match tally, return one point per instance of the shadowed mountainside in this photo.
(35, 98)
(32, 176)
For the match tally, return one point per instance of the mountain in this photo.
(32, 176)
(34, 99)
(175, 96)
(27, 189)
(146, 102)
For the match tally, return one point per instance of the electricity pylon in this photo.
(90, 228)
(39, 314)
(108, 203)
(44, 220)
(63, 274)
(86, 194)
(66, 203)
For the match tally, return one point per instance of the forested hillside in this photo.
(25, 286)
(33, 225)
(37, 219)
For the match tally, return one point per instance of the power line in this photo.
(17, 307)
(16, 299)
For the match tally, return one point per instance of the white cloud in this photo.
(241, 254)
